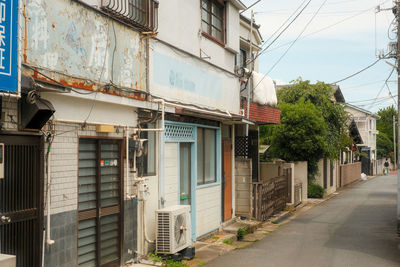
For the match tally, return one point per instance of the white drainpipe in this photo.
(49, 241)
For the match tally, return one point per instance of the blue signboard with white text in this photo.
(9, 46)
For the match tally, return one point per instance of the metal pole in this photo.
(398, 112)
(394, 143)
(251, 69)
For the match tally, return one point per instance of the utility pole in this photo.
(394, 143)
(398, 110)
(249, 88)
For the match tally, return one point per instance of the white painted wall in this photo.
(301, 176)
(208, 209)
(180, 25)
(74, 108)
(366, 124)
(171, 174)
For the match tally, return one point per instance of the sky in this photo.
(355, 34)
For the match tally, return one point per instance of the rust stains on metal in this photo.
(83, 84)
(79, 84)
(26, 34)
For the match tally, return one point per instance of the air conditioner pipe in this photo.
(146, 238)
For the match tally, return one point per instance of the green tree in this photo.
(301, 134)
(313, 125)
(384, 140)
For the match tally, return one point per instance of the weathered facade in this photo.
(88, 62)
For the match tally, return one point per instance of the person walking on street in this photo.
(386, 165)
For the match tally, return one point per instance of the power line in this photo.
(287, 50)
(287, 26)
(358, 72)
(327, 27)
(383, 86)
(372, 99)
(361, 85)
(283, 24)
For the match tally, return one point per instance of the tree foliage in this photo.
(384, 140)
(313, 126)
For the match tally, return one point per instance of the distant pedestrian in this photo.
(386, 164)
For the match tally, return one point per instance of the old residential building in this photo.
(96, 76)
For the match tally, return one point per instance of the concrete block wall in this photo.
(350, 173)
(301, 176)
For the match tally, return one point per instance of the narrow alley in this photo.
(355, 228)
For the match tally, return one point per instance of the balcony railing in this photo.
(142, 14)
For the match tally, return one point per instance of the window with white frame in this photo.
(141, 14)
(206, 156)
(212, 19)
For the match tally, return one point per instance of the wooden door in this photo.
(227, 179)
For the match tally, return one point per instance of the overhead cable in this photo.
(298, 37)
(279, 35)
(358, 72)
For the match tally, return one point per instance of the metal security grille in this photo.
(179, 133)
(99, 201)
(21, 195)
(141, 14)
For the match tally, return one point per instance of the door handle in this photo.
(5, 219)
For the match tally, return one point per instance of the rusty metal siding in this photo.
(71, 39)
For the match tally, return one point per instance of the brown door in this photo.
(21, 195)
(99, 202)
(227, 179)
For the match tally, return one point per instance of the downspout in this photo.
(49, 241)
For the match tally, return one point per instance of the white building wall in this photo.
(180, 25)
(171, 174)
(208, 209)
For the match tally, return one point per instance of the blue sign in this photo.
(9, 45)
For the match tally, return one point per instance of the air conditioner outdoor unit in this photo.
(173, 231)
(242, 112)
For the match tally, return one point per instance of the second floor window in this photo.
(212, 19)
(141, 14)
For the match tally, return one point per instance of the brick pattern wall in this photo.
(263, 114)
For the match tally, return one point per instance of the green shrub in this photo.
(241, 232)
(227, 241)
(315, 191)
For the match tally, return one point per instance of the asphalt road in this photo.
(355, 228)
